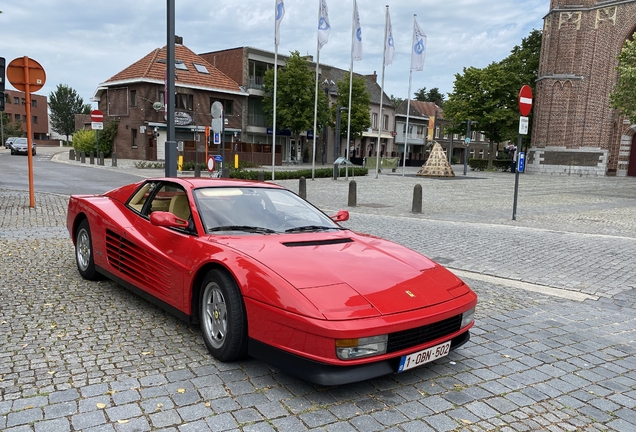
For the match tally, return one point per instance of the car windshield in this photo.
(258, 211)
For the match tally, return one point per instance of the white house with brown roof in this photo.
(135, 97)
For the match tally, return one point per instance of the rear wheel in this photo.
(223, 318)
(84, 252)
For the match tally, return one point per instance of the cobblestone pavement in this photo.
(90, 356)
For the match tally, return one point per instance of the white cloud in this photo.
(81, 44)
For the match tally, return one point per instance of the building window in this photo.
(133, 133)
(16, 100)
(201, 68)
(437, 132)
(23, 101)
(184, 101)
(228, 105)
(34, 103)
(385, 122)
(374, 120)
(17, 117)
(455, 136)
(24, 117)
(34, 119)
(133, 98)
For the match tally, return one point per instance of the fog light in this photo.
(350, 349)
(468, 317)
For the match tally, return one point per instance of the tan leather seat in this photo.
(179, 207)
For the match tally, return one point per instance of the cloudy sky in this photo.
(83, 43)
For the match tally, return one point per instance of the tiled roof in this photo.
(426, 108)
(152, 67)
(420, 108)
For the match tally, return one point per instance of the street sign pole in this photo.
(27, 75)
(525, 106)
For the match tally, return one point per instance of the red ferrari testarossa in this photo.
(264, 273)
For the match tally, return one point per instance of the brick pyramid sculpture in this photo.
(437, 165)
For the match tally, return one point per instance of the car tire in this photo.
(84, 252)
(222, 316)
(12, 151)
(34, 153)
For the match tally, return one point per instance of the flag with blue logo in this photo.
(389, 47)
(418, 48)
(323, 24)
(357, 33)
(280, 13)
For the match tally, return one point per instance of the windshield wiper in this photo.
(245, 228)
(310, 228)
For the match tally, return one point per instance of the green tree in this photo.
(84, 139)
(488, 96)
(360, 101)
(433, 95)
(11, 128)
(64, 103)
(396, 101)
(623, 96)
(295, 97)
(482, 96)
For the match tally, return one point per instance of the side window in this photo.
(169, 198)
(141, 196)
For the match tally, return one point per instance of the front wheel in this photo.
(84, 252)
(223, 318)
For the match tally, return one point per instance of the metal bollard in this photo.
(261, 176)
(92, 158)
(83, 157)
(417, 199)
(353, 194)
(101, 158)
(225, 173)
(302, 188)
(71, 154)
(77, 156)
(197, 170)
(114, 159)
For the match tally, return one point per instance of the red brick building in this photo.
(575, 131)
(135, 97)
(15, 108)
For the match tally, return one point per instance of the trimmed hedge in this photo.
(482, 164)
(291, 175)
(280, 175)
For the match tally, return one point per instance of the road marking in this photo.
(555, 292)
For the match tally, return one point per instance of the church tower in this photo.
(575, 132)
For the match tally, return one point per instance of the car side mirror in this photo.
(341, 216)
(167, 219)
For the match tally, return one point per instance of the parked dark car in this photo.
(20, 145)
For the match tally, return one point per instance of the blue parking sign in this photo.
(522, 162)
(217, 138)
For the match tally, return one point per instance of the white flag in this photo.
(418, 48)
(323, 24)
(357, 34)
(280, 13)
(390, 47)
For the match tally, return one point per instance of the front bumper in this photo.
(326, 374)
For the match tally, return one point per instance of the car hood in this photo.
(333, 270)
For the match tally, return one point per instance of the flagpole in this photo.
(275, 86)
(353, 35)
(408, 111)
(386, 33)
(274, 122)
(313, 160)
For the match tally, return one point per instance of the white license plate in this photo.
(428, 355)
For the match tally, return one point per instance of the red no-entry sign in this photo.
(525, 100)
(97, 116)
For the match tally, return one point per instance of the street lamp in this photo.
(327, 85)
(336, 145)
